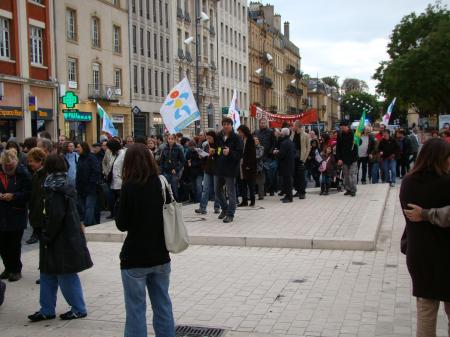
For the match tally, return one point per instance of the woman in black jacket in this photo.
(15, 188)
(248, 166)
(427, 247)
(88, 176)
(144, 259)
(63, 251)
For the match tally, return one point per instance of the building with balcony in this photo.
(28, 95)
(233, 55)
(274, 61)
(326, 100)
(296, 98)
(151, 58)
(93, 65)
(184, 28)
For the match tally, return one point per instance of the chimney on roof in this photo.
(286, 30)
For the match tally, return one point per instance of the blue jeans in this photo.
(390, 165)
(270, 170)
(172, 179)
(208, 187)
(156, 280)
(70, 286)
(375, 172)
(325, 179)
(197, 188)
(86, 209)
(230, 182)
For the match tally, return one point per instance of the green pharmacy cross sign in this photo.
(70, 99)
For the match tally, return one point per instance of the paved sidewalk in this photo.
(324, 222)
(252, 292)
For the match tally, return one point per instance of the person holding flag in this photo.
(347, 155)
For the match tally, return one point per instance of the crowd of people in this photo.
(61, 187)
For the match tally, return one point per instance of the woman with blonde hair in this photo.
(15, 188)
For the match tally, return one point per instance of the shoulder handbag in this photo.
(175, 231)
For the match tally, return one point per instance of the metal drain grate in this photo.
(197, 331)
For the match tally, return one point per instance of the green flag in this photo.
(360, 129)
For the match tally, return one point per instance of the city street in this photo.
(249, 291)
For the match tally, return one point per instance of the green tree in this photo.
(418, 70)
(354, 85)
(332, 81)
(353, 103)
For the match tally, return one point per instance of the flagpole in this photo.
(197, 55)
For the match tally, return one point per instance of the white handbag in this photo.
(175, 231)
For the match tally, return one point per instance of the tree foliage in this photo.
(418, 70)
(332, 81)
(351, 100)
(354, 85)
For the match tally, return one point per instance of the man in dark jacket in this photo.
(88, 176)
(286, 159)
(347, 156)
(388, 148)
(229, 153)
(15, 188)
(268, 140)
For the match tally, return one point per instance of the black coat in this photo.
(14, 213)
(427, 245)
(228, 166)
(88, 174)
(345, 150)
(249, 160)
(389, 148)
(37, 199)
(63, 248)
(268, 140)
(286, 157)
(140, 214)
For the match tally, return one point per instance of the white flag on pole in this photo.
(179, 109)
(233, 111)
(387, 116)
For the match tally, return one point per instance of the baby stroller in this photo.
(337, 181)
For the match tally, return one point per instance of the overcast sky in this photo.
(347, 38)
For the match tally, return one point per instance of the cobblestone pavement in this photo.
(253, 292)
(329, 222)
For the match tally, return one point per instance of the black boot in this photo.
(252, 202)
(244, 203)
(327, 188)
(322, 189)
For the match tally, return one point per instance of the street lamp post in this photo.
(199, 17)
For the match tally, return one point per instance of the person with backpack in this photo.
(63, 252)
